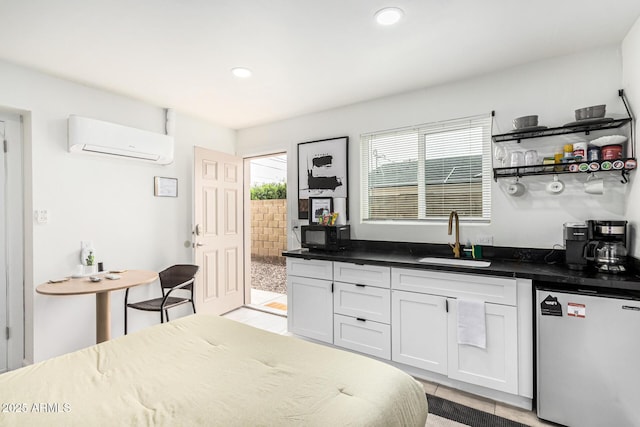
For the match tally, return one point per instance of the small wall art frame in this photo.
(318, 206)
(323, 169)
(165, 187)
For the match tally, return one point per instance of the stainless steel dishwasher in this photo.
(588, 356)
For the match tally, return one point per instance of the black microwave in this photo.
(326, 237)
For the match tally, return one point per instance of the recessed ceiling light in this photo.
(241, 72)
(389, 15)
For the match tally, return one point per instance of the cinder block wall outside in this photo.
(268, 229)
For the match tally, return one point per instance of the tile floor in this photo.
(278, 324)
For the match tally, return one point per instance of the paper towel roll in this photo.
(340, 206)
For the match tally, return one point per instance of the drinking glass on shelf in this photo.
(516, 159)
(531, 159)
(500, 154)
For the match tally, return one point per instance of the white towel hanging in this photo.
(471, 323)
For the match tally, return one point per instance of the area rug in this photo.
(277, 305)
(445, 413)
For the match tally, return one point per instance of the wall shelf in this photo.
(563, 168)
(585, 126)
(562, 130)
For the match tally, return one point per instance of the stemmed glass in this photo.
(500, 154)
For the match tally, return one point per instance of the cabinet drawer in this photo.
(371, 275)
(363, 336)
(316, 269)
(366, 302)
(499, 290)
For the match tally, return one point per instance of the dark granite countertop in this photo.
(536, 264)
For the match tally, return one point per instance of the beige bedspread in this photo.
(207, 370)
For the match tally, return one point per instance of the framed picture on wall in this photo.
(165, 187)
(322, 171)
(317, 206)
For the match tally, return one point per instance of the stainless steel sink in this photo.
(455, 261)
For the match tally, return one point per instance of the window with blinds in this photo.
(424, 172)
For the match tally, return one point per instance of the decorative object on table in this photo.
(87, 258)
(165, 187)
(90, 258)
(319, 207)
(322, 172)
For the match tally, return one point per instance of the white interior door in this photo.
(11, 244)
(218, 231)
(3, 255)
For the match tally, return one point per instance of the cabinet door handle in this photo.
(446, 305)
(361, 319)
(331, 287)
(359, 285)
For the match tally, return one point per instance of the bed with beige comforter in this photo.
(210, 371)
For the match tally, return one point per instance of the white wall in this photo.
(631, 85)
(553, 89)
(107, 200)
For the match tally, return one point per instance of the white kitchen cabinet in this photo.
(495, 367)
(310, 301)
(419, 330)
(362, 335)
(409, 316)
(424, 326)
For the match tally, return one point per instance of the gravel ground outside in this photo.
(269, 275)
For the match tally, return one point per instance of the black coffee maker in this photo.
(576, 238)
(607, 246)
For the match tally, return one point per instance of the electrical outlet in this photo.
(42, 216)
(484, 240)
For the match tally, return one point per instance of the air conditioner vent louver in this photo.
(99, 137)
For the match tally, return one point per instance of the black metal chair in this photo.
(174, 278)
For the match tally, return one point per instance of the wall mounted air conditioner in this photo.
(95, 136)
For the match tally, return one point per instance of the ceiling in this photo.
(306, 55)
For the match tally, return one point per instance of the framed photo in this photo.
(322, 172)
(317, 205)
(165, 187)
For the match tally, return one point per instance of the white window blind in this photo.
(424, 172)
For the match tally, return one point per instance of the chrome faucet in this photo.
(456, 247)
